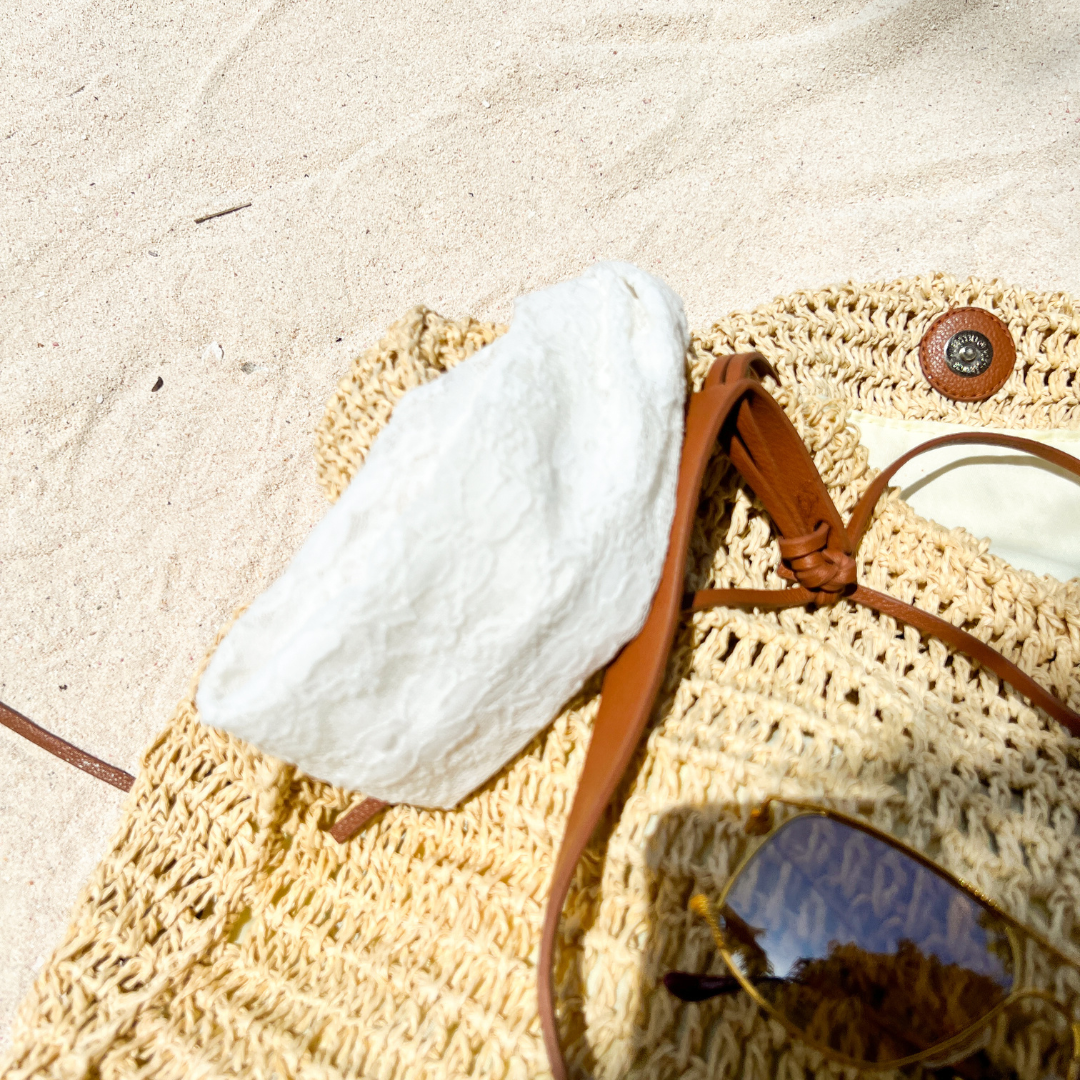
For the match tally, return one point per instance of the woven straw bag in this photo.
(226, 934)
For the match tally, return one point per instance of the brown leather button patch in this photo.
(967, 354)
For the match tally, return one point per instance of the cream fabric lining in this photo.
(1027, 508)
(227, 935)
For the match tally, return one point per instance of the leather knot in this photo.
(820, 570)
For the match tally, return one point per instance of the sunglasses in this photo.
(863, 948)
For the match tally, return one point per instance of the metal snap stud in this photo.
(969, 353)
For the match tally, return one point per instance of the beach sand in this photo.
(451, 154)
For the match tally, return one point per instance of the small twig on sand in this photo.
(221, 213)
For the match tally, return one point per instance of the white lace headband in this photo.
(501, 543)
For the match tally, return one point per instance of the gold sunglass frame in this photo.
(701, 905)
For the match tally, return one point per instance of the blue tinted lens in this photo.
(868, 951)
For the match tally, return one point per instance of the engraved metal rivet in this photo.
(968, 353)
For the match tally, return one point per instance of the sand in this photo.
(451, 154)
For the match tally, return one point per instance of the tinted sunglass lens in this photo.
(861, 947)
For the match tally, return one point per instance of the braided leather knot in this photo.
(820, 570)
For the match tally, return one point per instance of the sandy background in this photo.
(450, 153)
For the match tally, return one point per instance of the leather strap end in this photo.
(61, 748)
(354, 819)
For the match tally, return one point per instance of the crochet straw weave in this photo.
(227, 935)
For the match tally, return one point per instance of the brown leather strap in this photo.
(799, 554)
(860, 516)
(923, 621)
(346, 826)
(26, 727)
(816, 553)
(978, 650)
(767, 450)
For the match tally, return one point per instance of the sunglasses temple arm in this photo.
(689, 986)
(1074, 1028)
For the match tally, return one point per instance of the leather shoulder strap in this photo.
(764, 446)
(860, 516)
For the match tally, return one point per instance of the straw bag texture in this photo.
(227, 935)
